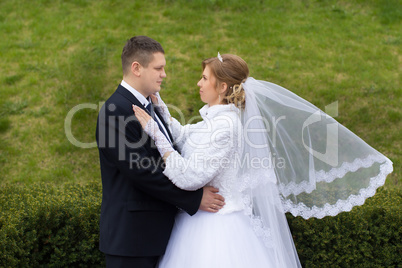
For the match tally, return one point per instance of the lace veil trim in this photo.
(300, 209)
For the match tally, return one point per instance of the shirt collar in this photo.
(144, 101)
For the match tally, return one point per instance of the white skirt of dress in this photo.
(215, 240)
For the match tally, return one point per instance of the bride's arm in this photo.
(177, 130)
(151, 128)
(194, 172)
(205, 162)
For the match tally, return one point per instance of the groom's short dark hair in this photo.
(141, 49)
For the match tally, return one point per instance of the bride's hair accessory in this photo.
(220, 57)
(236, 96)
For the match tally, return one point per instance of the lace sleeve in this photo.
(203, 164)
(163, 109)
(161, 142)
(177, 130)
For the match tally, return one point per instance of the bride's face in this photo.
(208, 92)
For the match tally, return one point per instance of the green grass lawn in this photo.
(59, 54)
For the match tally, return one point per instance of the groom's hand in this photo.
(211, 201)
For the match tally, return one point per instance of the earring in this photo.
(219, 98)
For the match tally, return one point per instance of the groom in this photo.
(139, 203)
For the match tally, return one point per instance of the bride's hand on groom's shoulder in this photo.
(161, 106)
(154, 98)
(141, 115)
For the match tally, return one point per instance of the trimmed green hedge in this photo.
(368, 236)
(42, 225)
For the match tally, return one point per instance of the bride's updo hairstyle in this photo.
(233, 71)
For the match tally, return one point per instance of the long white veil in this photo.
(300, 160)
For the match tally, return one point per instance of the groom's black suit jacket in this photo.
(139, 203)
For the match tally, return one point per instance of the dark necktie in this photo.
(150, 108)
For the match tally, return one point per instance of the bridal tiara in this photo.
(220, 57)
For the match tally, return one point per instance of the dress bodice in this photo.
(210, 151)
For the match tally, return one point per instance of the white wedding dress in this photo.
(230, 238)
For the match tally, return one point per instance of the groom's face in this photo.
(152, 75)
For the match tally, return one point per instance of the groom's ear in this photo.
(136, 68)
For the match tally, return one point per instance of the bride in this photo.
(261, 146)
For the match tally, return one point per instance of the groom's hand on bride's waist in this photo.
(211, 201)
